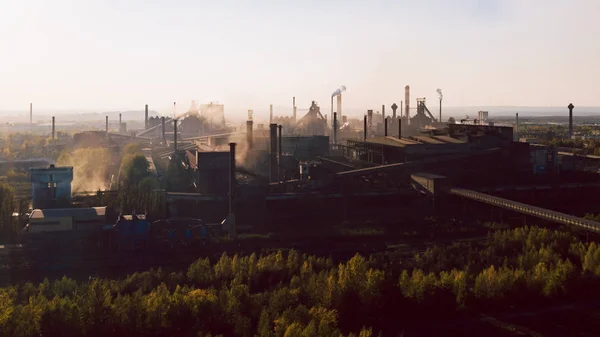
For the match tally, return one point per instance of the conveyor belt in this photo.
(538, 212)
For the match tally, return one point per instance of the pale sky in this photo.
(122, 54)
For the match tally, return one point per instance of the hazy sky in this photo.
(122, 54)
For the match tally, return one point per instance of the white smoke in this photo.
(339, 91)
(439, 91)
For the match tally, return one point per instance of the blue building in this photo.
(51, 186)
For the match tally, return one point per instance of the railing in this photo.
(538, 212)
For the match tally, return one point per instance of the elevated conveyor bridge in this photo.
(538, 212)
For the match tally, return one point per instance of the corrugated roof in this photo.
(427, 140)
(77, 213)
(392, 141)
(448, 139)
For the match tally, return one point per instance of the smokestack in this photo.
(385, 127)
(370, 120)
(164, 135)
(106, 126)
(280, 127)
(119, 120)
(249, 134)
(271, 113)
(174, 109)
(383, 111)
(232, 184)
(439, 91)
(294, 111)
(53, 130)
(394, 108)
(401, 108)
(335, 127)
(146, 118)
(273, 153)
(365, 129)
(407, 102)
(175, 135)
(339, 105)
(400, 128)
(331, 110)
(30, 115)
(571, 106)
(517, 133)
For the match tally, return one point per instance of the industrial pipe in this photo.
(294, 108)
(120, 121)
(365, 129)
(271, 113)
(249, 134)
(273, 153)
(146, 118)
(164, 136)
(517, 127)
(175, 136)
(383, 111)
(106, 126)
(280, 127)
(331, 111)
(53, 130)
(335, 127)
(339, 105)
(232, 184)
(407, 100)
(400, 128)
(385, 127)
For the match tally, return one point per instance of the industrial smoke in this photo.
(439, 92)
(339, 91)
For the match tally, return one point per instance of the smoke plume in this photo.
(439, 91)
(339, 91)
(90, 168)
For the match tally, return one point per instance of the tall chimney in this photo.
(164, 134)
(407, 102)
(365, 129)
(370, 120)
(394, 108)
(232, 185)
(517, 133)
(146, 118)
(401, 109)
(339, 106)
(174, 109)
(119, 120)
(175, 135)
(385, 127)
(249, 134)
(571, 106)
(279, 147)
(53, 130)
(383, 111)
(399, 128)
(107, 127)
(440, 110)
(331, 110)
(273, 153)
(294, 111)
(271, 113)
(335, 127)
(30, 115)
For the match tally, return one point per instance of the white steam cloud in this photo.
(339, 91)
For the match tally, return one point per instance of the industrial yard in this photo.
(398, 188)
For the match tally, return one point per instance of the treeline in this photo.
(298, 295)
